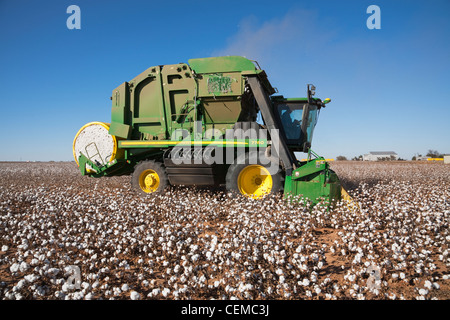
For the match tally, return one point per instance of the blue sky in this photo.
(389, 87)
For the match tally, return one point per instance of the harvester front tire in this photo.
(149, 177)
(253, 179)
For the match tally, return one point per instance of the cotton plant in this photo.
(190, 243)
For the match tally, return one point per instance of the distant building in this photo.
(447, 158)
(380, 155)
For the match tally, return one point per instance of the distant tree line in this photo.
(360, 158)
(430, 154)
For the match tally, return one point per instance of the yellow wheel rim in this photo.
(149, 181)
(255, 181)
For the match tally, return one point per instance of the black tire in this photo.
(156, 170)
(243, 162)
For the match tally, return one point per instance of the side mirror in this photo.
(311, 92)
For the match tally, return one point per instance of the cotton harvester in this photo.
(213, 121)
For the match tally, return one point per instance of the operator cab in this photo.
(297, 118)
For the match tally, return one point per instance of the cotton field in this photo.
(65, 236)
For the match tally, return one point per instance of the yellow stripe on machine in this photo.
(173, 143)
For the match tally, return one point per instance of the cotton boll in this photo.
(423, 292)
(89, 296)
(19, 285)
(165, 292)
(156, 291)
(135, 295)
(14, 267)
(31, 277)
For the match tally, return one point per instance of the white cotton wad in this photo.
(94, 141)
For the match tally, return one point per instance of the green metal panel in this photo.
(221, 64)
(120, 112)
(315, 190)
(179, 90)
(147, 104)
(222, 111)
(310, 167)
(120, 130)
(315, 181)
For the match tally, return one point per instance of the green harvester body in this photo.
(214, 102)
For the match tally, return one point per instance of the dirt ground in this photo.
(192, 243)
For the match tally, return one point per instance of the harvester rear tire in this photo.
(149, 177)
(243, 170)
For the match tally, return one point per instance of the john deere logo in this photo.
(219, 84)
